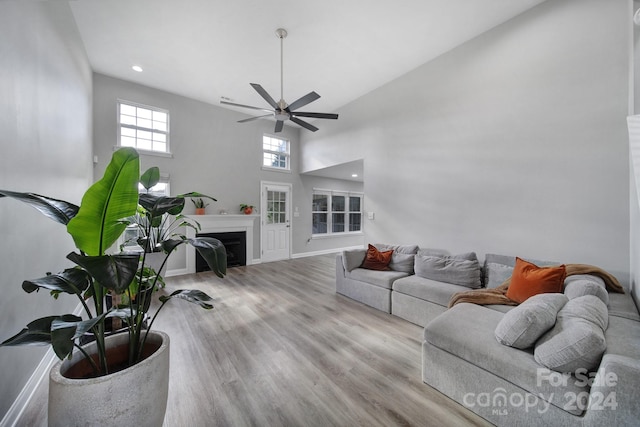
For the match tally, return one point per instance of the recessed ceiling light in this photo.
(354, 175)
(137, 68)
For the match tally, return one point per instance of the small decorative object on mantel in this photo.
(247, 209)
(200, 205)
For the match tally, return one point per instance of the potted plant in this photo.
(246, 209)
(200, 205)
(98, 386)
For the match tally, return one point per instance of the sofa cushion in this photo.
(463, 270)
(528, 279)
(496, 274)
(522, 326)
(376, 260)
(585, 284)
(402, 258)
(353, 258)
(622, 305)
(383, 279)
(426, 289)
(577, 340)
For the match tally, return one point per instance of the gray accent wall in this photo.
(513, 143)
(45, 123)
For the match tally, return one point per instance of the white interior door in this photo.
(275, 222)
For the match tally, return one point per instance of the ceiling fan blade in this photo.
(279, 126)
(307, 99)
(316, 115)
(245, 106)
(263, 93)
(303, 124)
(254, 118)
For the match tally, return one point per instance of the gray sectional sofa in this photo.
(463, 352)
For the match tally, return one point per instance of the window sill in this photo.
(335, 235)
(148, 152)
(267, 168)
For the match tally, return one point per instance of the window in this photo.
(276, 153)
(335, 212)
(143, 128)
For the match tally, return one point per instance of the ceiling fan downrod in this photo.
(281, 33)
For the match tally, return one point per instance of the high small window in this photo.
(142, 127)
(335, 212)
(276, 153)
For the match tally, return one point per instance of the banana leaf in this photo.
(192, 295)
(114, 272)
(150, 177)
(72, 281)
(58, 210)
(98, 224)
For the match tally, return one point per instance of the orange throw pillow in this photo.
(376, 260)
(528, 280)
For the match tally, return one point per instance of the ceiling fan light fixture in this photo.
(281, 110)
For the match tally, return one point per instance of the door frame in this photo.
(263, 211)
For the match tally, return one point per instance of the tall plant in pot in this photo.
(95, 226)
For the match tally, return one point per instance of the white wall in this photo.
(513, 143)
(45, 123)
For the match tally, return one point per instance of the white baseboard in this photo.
(324, 252)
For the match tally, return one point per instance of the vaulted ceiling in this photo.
(342, 49)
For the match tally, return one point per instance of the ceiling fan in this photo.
(281, 110)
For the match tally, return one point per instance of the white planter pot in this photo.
(136, 396)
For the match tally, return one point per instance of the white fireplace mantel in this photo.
(220, 224)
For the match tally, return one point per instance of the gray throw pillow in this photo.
(496, 274)
(457, 270)
(577, 340)
(585, 284)
(402, 258)
(522, 326)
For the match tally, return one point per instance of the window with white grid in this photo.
(276, 153)
(143, 127)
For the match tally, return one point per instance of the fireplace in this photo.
(217, 225)
(234, 242)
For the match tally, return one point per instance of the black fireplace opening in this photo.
(235, 242)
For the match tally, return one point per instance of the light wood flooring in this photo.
(281, 348)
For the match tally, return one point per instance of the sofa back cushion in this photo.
(402, 258)
(463, 270)
(528, 279)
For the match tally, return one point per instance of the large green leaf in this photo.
(213, 252)
(58, 210)
(39, 332)
(111, 271)
(98, 222)
(72, 281)
(62, 337)
(150, 177)
(157, 206)
(192, 295)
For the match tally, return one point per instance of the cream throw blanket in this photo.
(498, 295)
